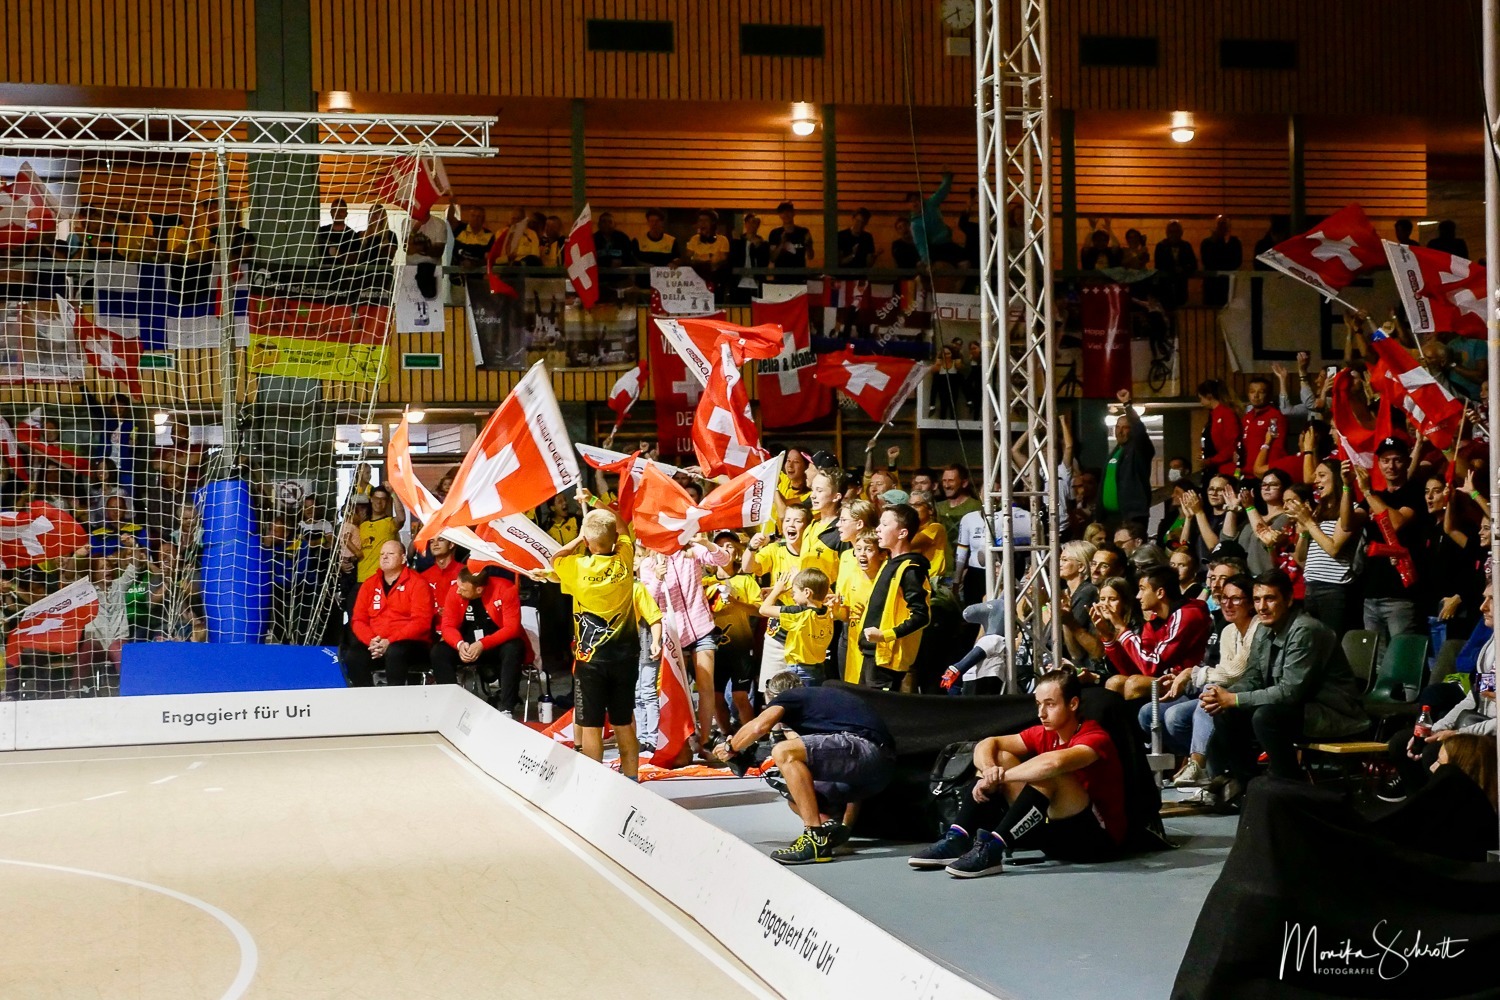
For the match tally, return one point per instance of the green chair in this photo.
(1401, 671)
(1359, 649)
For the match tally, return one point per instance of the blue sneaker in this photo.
(986, 857)
(954, 845)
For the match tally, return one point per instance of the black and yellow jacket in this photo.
(900, 607)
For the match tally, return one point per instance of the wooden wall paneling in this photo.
(688, 170)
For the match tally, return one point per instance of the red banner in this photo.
(789, 394)
(677, 392)
(1106, 341)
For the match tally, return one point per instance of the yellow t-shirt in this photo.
(526, 245)
(714, 251)
(854, 591)
(373, 534)
(772, 561)
(816, 555)
(807, 633)
(789, 494)
(932, 541)
(647, 612)
(602, 588)
(734, 600)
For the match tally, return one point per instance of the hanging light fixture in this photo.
(340, 101)
(804, 118)
(1182, 126)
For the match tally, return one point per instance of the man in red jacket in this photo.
(442, 575)
(1171, 642)
(392, 623)
(1264, 441)
(482, 630)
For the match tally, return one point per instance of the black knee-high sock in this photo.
(1026, 813)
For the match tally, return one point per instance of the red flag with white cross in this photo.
(1442, 292)
(1330, 255)
(725, 437)
(667, 518)
(580, 260)
(877, 382)
(521, 459)
(789, 392)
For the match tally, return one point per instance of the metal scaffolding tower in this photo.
(1018, 349)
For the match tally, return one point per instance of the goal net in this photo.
(181, 334)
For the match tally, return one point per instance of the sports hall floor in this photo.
(360, 868)
(1038, 931)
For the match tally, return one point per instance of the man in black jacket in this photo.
(748, 251)
(1126, 490)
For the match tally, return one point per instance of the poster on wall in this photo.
(543, 322)
(417, 312)
(873, 318)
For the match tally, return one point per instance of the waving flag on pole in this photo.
(786, 384)
(521, 459)
(581, 261)
(1331, 254)
(413, 184)
(1356, 442)
(668, 518)
(54, 624)
(39, 533)
(725, 437)
(879, 383)
(1429, 405)
(675, 720)
(27, 209)
(1441, 292)
(626, 392)
(604, 458)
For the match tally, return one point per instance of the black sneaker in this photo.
(810, 848)
(954, 845)
(1392, 789)
(838, 834)
(986, 857)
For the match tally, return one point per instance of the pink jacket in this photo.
(679, 588)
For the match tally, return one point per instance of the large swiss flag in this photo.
(676, 389)
(786, 385)
(39, 533)
(581, 261)
(725, 437)
(667, 519)
(1330, 255)
(27, 209)
(1442, 292)
(879, 383)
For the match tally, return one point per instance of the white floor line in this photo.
(23, 812)
(106, 795)
(606, 870)
(205, 753)
(249, 953)
(163, 781)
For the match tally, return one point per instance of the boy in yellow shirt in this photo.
(805, 627)
(734, 597)
(856, 580)
(597, 569)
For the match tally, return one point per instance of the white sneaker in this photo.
(1192, 775)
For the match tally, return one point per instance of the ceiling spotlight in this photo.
(804, 118)
(416, 414)
(1182, 126)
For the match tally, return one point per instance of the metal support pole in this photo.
(1488, 11)
(226, 318)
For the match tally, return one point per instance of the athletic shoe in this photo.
(838, 834)
(986, 857)
(810, 848)
(1392, 789)
(1192, 775)
(1222, 792)
(954, 845)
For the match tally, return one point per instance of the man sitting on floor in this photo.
(841, 755)
(1297, 685)
(1057, 787)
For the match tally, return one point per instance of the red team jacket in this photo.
(1221, 440)
(442, 581)
(502, 602)
(1163, 645)
(405, 611)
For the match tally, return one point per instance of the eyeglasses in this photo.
(1226, 599)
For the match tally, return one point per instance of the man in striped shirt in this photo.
(1172, 641)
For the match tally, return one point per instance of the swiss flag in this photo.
(1331, 254)
(112, 355)
(604, 458)
(725, 437)
(581, 262)
(877, 382)
(1442, 293)
(675, 721)
(787, 385)
(1429, 405)
(513, 541)
(1356, 441)
(413, 183)
(29, 436)
(669, 519)
(697, 341)
(676, 388)
(39, 533)
(27, 208)
(521, 459)
(626, 391)
(55, 623)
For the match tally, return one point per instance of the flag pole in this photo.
(870, 445)
(1488, 12)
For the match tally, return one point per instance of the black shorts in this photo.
(733, 667)
(604, 688)
(1080, 837)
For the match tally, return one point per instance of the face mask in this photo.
(1173, 475)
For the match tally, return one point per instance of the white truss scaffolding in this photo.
(178, 131)
(1018, 349)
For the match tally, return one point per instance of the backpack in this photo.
(952, 777)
